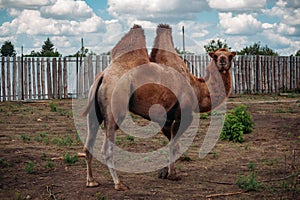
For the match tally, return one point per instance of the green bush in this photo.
(237, 123)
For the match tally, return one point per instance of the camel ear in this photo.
(211, 54)
(233, 54)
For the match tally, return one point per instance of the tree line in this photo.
(48, 50)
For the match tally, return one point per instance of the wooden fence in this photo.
(48, 78)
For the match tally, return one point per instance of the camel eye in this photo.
(215, 57)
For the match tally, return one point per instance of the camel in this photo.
(130, 54)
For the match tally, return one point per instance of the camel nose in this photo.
(223, 59)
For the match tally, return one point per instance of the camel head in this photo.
(222, 58)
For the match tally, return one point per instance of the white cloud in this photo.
(277, 40)
(155, 10)
(67, 9)
(25, 4)
(288, 30)
(287, 11)
(229, 5)
(244, 24)
(38, 25)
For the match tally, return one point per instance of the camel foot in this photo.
(173, 177)
(91, 184)
(163, 173)
(121, 187)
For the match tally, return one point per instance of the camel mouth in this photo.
(223, 71)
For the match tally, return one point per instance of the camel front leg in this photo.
(178, 128)
(108, 151)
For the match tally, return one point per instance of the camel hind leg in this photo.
(92, 129)
(108, 151)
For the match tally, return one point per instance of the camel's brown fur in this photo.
(130, 53)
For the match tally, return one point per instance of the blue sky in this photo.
(102, 23)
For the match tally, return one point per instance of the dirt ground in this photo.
(39, 144)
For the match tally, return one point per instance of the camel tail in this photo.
(92, 100)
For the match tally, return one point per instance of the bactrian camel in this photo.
(130, 53)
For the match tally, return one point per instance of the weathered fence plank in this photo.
(54, 75)
(38, 75)
(20, 77)
(25, 79)
(98, 69)
(59, 77)
(33, 79)
(86, 78)
(14, 81)
(8, 92)
(3, 78)
(90, 71)
(43, 81)
(49, 77)
(65, 78)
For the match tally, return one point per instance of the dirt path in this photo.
(33, 133)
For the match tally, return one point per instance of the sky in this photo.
(101, 24)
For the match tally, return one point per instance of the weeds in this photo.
(26, 138)
(42, 137)
(249, 182)
(29, 167)
(18, 196)
(130, 138)
(63, 141)
(54, 107)
(100, 196)
(49, 164)
(204, 115)
(69, 159)
(4, 163)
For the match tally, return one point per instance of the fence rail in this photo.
(48, 78)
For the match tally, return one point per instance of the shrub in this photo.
(237, 123)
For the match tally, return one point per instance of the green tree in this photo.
(257, 49)
(214, 45)
(8, 49)
(298, 53)
(48, 49)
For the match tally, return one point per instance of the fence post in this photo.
(54, 75)
(86, 81)
(20, 83)
(33, 78)
(65, 78)
(14, 78)
(25, 79)
(38, 68)
(3, 78)
(49, 77)
(59, 76)
(8, 78)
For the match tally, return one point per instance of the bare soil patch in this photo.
(33, 133)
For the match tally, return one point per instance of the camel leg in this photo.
(108, 151)
(178, 128)
(92, 126)
(166, 130)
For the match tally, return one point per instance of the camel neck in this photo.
(214, 90)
